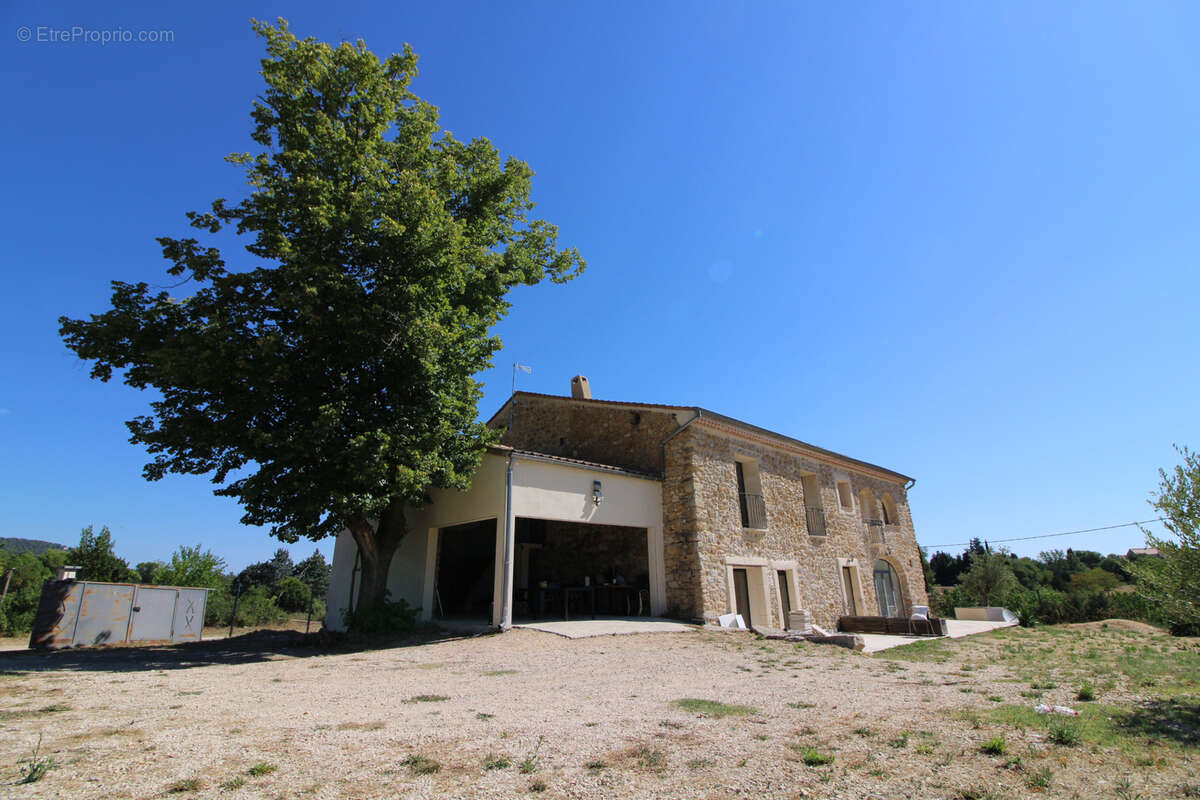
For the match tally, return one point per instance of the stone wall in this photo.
(711, 520)
(620, 436)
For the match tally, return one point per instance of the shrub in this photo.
(385, 617)
(1086, 693)
(293, 595)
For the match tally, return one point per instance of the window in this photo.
(890, 517)
(845, 498)
(750, 498)
(814, 514)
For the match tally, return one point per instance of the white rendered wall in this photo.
(541, 490)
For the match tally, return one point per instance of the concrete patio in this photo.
(958, 628)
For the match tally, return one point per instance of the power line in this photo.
(1049, 535)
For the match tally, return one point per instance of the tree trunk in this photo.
(376, 546)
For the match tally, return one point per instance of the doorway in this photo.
(741, 595)
(849, 599)
(466, 571)
(886, 592)
(785, 595)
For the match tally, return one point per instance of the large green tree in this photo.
(326, 382)
(1173, 581)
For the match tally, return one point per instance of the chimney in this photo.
(580, 388)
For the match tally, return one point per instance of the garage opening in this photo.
(571, 570)
(466, 571)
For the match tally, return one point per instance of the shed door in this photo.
(153, 612)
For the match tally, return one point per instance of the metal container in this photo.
(81, 613)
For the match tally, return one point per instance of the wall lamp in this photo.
(597, 495)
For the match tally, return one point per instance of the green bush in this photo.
(385, 617)
(254, 608)
(293, 595)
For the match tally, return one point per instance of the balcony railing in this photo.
(815, 518)
(754, 510)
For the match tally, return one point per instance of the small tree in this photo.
(315, 572)
(1173, 581)
(191, 566)
(96, 558)
(327, 382)
(990, 580)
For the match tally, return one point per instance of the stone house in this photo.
(603, 507)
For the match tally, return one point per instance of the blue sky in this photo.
(955, 239)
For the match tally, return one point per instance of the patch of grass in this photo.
(21, 713)
(531, 762)
(1124, 790)
(995, 698)
(496, 762)
(1064, 734)
(802, 705)
(421, 765)
(537, 786)
(185, 785)
(484, 716)
(924, 749)
(995, 746)
(595, 765)
(650, 759)
(978, 793)
(362, 726)
(34, 768)
(864, 732)
(495, 673)
(712, 708)
(260, 769)
(700, 763)
(936, 650)
(428, 698)
(815, 758)
(1039, 778)
(234, 783)
(1086, 693)
(900, 741)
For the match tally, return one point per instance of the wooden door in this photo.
(741, 595)
(785, 596)
(848, 591)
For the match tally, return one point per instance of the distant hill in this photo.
(35, 546)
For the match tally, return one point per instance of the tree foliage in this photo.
(990, 579)
(97, 559)
(191, 566)
(328, 383)
(29, 572)
(1173, 581)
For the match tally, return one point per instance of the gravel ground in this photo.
(520, 714)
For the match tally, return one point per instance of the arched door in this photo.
(887, 590)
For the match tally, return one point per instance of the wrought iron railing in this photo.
(754, 510)
(815, 519)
